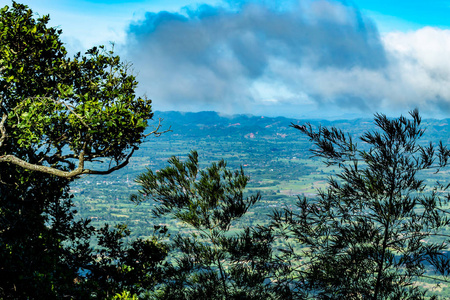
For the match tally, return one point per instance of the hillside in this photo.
(273, 154)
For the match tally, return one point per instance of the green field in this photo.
(276, 158)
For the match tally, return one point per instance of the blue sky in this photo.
(297, 58)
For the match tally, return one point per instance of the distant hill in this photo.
(274, 155)
(210, 122)
(188, 123)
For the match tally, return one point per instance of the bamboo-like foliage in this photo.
(367, 236)
(209, 262)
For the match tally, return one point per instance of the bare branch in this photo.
(155, 131)
(117, 167)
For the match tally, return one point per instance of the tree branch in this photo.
(155, 131)
(80, 170)
(110, 170)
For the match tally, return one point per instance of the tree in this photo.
(369, 234)
(59, 113)
(117, 267)
(208, 261)
(46, 252)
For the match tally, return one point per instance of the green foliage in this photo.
(32, 261)
(57, 113)
(210, 198)
(125, 296)
(46, 253)
(367, 235)
(63, 111)
(117, 266)
(208, 262)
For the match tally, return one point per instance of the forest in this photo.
(103, 198)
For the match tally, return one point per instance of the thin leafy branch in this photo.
(368, 234)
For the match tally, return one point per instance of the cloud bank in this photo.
(292, 58)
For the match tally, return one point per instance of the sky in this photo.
(294, 58)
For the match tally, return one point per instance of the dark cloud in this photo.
(210, 57)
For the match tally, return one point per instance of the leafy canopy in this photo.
(57, 112)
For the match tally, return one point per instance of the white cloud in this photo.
(220, 58)
(270, 58)
(417, 74)
(419, 70)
